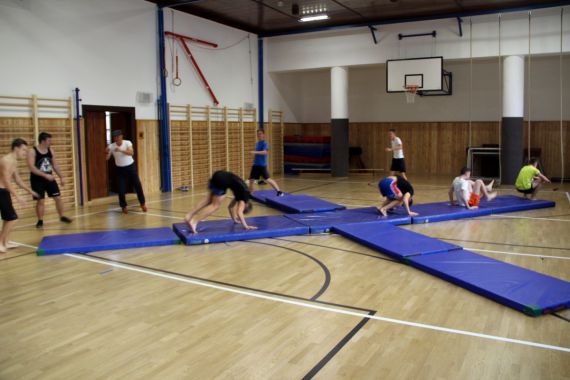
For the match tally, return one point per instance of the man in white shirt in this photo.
(122, 151)
(398, 166)
(468, 192)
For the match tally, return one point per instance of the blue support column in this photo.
(260, 81)
(165, 178)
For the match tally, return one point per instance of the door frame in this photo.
(100, 108)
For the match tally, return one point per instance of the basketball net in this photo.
(411, 92)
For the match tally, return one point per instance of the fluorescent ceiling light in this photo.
(314, 18)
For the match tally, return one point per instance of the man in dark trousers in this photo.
(122, 151)
(42, 164)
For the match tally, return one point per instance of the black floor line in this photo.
(341, 249)
(230, 284)
(15, 257)
(336, 349)
(327, 282)
(494, 243)
(561, 317)
(311, 187)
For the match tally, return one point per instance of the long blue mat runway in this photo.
(219, 231)
(106, 240)
(522, 289)
(323, 221)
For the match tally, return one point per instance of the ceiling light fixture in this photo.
(314, 18)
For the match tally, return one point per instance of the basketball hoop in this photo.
(411, 91)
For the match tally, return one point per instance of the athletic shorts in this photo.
(388, 188)
(474, 200)
(258, 171)
(42, 186)
(398, 165)
(527, 191)
(6, 208)
(215, 190)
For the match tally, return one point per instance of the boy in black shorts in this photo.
(398, 192)
(259, 168)
(9, 170)
(220, 182)
(41, 161)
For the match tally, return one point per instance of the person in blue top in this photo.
(259, 168)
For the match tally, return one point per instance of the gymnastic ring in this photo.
(177, 81)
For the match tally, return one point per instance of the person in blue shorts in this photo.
(259, 168)
(397, 192)
(220, 182)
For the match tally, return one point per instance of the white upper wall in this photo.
(355, 46)
(230, 69)
(109, 49)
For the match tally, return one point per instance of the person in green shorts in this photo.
(530, 179)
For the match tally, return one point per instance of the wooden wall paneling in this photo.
(201, 153)
(148, 162)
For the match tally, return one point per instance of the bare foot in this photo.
(383, 211)
(490, 185)
(2, 248)
(11, 245)
(492, 196)
(192, 224)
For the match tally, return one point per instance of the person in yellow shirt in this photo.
(530, 179)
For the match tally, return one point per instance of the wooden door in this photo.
(96, 142)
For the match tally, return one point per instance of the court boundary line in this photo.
(312, 305)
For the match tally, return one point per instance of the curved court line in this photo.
(326, 308)
(326, 270)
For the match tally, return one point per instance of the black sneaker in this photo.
(40, 224)
(280, 194)
(65, 219)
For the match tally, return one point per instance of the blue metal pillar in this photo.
(165, 177)
(260, 81)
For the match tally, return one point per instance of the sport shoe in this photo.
(280, 194)
(143, 207)
(40, 224)
(65, 219)
(124, 210)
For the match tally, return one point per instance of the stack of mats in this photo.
(521, 289)
(308, 152)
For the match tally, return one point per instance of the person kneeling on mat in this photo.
(530, 179)
(220, 182)
(398, 192)
(469, 192)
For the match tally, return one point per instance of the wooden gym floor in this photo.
(283, 308)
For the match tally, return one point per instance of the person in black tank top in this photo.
(399, 193)
(220, 182)
(42, 166)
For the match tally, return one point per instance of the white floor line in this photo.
(24, 245)
(518, 253)
(325, 308)
(568, 196)
(111, 209)
(527, 217)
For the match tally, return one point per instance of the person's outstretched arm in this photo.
(241, 217)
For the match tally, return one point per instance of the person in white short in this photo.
(468, 192)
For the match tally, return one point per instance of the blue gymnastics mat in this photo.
(442, 211)
(262, 195)
(297, 204)
(106, 240)
(323, 221)
(393, 241)
(219, 231)
(522, 289)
